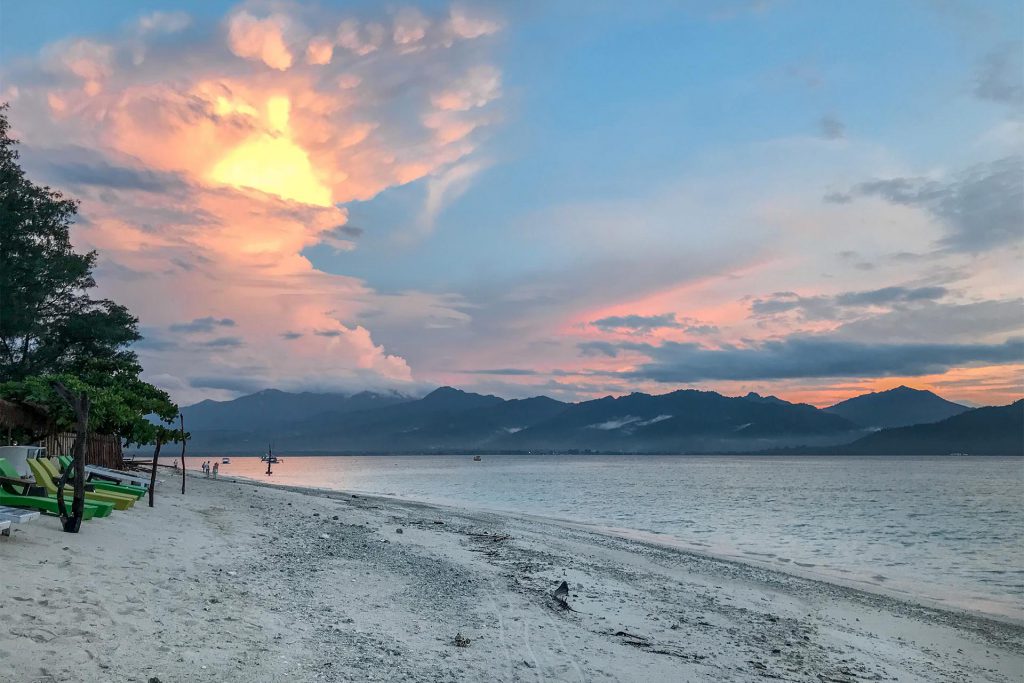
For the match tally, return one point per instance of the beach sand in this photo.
(243, 582)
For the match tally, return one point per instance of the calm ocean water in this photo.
(944, 529)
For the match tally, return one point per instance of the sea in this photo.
(941, 530)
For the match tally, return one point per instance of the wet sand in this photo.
(239, 581)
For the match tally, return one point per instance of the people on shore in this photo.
(206, 468)
(216, 469)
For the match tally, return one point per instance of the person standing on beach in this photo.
(216, 469)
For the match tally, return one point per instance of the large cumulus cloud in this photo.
(209, 156)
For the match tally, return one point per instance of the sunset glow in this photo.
(271, 161)
(413, 196)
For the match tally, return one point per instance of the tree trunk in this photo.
(182, 418)
(80, 404)
(152, 474)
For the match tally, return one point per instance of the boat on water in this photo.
(225, 461)
(270, 457)
(477, 458)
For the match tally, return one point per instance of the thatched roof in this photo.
(27, 416)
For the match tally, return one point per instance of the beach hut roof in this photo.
(28, 416)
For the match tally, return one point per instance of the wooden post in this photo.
(80, 404)
(182, 418)
(152, 474)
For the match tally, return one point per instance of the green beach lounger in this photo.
(45, 479)
(19, 493)
(48, 504)
(137, 491)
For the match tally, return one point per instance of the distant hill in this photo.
(451, 419)
(679, 421)
(446, 418)
(686, 421)
(250, 422)
(983, 431)
(897, 407)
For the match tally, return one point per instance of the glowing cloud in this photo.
(210, 178)
(273, 163)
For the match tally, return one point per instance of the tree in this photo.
(119, 405)
(51, 329)
(48, 321)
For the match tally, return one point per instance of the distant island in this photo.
(898, 421)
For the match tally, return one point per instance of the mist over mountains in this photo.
(685, 421)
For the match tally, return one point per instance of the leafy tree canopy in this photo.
(50, 325)
(119, 406)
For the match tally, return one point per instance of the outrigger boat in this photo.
(270, 457)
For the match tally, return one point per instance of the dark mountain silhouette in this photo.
(687, 421)
(250, 422)
(983, 431)
(682, 421)
(446, 418)
(450, 419)
(897, 407)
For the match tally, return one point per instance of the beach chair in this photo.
(45, 478)
(49, 505)
(14, 516)
(116, 476)
(136, 492)
(97, 475)
(23, 493)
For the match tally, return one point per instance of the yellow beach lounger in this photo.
(45, 478)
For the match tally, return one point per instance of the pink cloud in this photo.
(360, 40)
(243, 157)
(477, 87)
(463, 25)
(319, 51)
(410, 26)
(263, 39)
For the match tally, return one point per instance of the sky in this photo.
(806, 199)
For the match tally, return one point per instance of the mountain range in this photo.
(685, 421)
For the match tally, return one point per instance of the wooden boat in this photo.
(477, 458)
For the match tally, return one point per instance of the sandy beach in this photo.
(239, 581)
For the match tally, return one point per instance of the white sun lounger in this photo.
(9, 516)
(133, 479)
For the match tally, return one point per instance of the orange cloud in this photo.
(319, 51)
(255, 148)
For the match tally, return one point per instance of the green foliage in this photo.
(52, 329)
(48, 322)
(119, 406)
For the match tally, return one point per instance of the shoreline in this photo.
(246, 580)
(661, 541)
(667, 541)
